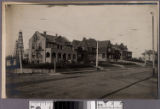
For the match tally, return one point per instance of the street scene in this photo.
(94, 56)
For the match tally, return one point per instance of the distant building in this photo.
(11, 62)
(86, 50)
(44, 48)
(105, 50)
(122, 52)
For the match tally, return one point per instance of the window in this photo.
(54, 55)
(64, 56)
(47, 54)
(39, 56)
(57, 46)
(40, 45)
(74, 56)
(69, 56)
(33, 56)
(59, 55)
(33, 46)
(103, 55)
(36, 38)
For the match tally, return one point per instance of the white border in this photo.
(3, 90)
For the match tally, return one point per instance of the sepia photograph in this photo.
(80, 50)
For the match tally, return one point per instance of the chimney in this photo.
(20, 33)
(45, 33)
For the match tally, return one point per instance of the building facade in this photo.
(44, 48)
(86, 50)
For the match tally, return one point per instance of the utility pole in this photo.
(20, 61)
(54, 64)
(97, 56)
(153, 53)
(145, 58)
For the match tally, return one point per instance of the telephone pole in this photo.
(97, 56)
(153, 56)
(54, 64)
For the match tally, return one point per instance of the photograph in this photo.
(80, 50)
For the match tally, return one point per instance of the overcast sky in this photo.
(128, 24)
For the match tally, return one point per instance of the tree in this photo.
(149, 53)
(144, 54)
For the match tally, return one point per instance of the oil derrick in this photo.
(20, 50)
(20, 45)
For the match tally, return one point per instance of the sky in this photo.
(128, 24)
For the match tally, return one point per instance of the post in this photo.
(153, 53)
(54, 65)
(97, 56)
(145, 57)
(20, 61)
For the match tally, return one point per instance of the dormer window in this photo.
(57, 46)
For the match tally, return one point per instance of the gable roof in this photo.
(104, 44)
(49, 38)
(120, 47)
(54, 38)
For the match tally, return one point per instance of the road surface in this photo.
(113, 82)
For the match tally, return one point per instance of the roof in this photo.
(49, 38)
(54, 38)
(91, 43)
(120, 47)
(76, 43)
(104, 44)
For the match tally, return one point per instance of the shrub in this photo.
(58, 65)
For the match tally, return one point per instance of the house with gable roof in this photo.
(44, 48)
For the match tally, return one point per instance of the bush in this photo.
(136, 60)
(58, 65)
(123, 63)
